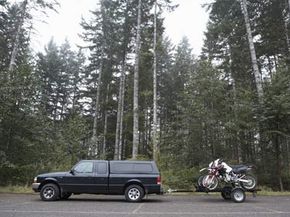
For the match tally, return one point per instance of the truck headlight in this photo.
(35, 179)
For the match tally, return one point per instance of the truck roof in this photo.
(123, 161)
(129, 166)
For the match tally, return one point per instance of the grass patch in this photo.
(15, 189)
(266, 191)
(274, 193)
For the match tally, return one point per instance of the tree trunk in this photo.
(121, 118)
(289, 10)
(155, 140)
(287, 156)
(12, 62)
(119, 125)
(95, 148)
(55, 109)
(237, 146)
(116, 152)
(278, 161)
(106, 124)
(258, 77)
(238, 141)
(136, 87)
(97, 108)
(286, 24)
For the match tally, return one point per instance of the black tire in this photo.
(65, 195)
(49, 192)
(226, 192)
(199, 181)
(252, 182)
(238, 195)
(134, 193)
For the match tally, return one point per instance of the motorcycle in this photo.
(219, 171)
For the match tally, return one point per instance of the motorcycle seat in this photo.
(240, 168)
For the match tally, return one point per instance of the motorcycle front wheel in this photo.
(210, 182)
(251, 184)
(199, 181)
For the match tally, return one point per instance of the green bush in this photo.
(17, 175)
(180, 179)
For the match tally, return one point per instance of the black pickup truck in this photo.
(133, 179)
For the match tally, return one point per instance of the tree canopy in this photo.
(61, 105)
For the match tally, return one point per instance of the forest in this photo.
(133, 94)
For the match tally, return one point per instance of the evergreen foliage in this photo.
(207, 106)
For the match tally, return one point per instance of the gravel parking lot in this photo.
(30, 205)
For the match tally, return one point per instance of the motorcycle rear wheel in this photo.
(210, 182)
(251, 184)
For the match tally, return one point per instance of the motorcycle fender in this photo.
(202, 169)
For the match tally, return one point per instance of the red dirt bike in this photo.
(219, 171)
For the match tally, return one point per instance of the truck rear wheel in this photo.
(134, 193)
(49, 192)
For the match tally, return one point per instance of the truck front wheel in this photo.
(134, 193)
(49, 192)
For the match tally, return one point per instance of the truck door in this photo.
(101, 178)
(81, 179)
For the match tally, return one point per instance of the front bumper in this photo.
(35, 187)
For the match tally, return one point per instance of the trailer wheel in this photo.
(226, 192)
(238, 195)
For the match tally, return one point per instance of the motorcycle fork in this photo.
(209, 179)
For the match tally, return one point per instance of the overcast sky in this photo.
(189, 19)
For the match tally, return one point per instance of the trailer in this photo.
(236, 194)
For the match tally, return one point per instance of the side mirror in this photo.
(72, 171)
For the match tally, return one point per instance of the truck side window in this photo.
(101, 168)
(143, 168)
(84, 167)
(122, 168)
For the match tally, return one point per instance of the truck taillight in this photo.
(159, 180)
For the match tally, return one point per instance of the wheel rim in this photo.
(134, 194)
(210, 182)
(48, 193)
(206, 181)
(238, 195)
(251, 183)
